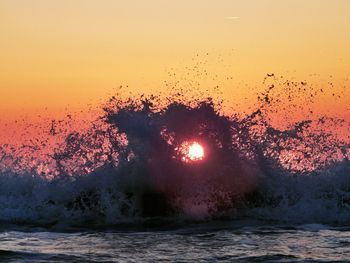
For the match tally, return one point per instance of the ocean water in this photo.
(127, 189)
(219, 242)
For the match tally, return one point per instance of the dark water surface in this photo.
(224, 242)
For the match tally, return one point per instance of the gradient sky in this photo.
(64, 52)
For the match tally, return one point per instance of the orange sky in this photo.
(55, 54)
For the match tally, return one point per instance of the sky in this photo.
(57, 54)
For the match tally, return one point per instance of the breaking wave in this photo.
(128, 167)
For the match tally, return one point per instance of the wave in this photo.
(133, 164)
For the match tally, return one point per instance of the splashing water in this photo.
(137, 162)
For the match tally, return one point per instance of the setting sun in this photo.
(191, 151)
(195, 151)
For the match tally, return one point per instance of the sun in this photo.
(195, 151)
(191, 151)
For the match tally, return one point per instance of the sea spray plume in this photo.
(129, 165)
(159, 175)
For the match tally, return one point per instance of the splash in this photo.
(137, 161)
